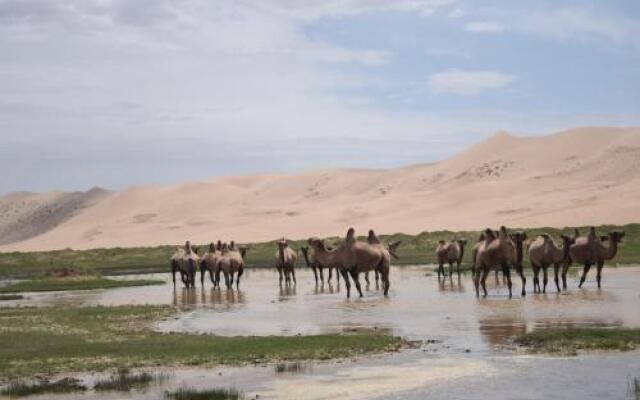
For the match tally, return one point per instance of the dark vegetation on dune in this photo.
(415, 249)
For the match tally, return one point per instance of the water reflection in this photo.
(203, 297)
(451, 285)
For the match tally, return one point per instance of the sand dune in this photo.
(577, 177)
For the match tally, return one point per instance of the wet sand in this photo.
(465, 341)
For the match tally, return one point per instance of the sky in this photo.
(115, 93)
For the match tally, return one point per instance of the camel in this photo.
(543, 252)
(474, 252)
(230, 262)
(501, 251)
(391, 248)
(185, 260)
(285, 261)
(360, 257)
(590, 250)
(316, 266)
(450, 252)
(209, 262)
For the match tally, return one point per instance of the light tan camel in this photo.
(230, 262)
(543, 252)
(591, 250)
(209, 262)
(450, 252)
(390, 248)
(286, 261)
(503, 251)
(358, 257)
(185, 260)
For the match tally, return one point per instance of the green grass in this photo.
(573, 340)
(415, 249)
(55, 284)
(11, 297)
(124, 381)
(23, 389)
(207, 394)
(61, 339)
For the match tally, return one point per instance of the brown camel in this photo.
(230, 262)
(209, 262)
(543, 252)
(316, 266)
(390, 248)
(358, 257)
(590, 250)
(185, 260)
(286, 261)
(450, 252)
(503, 251)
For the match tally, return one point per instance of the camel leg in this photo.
(315, 274)
(240, 272)
(497, 280)
(451, 270)
(217, 279)
(173, 274)
(385, 282)
(556, 267)
(280, 273)
(507, 273)
(599, 275)
(585, 271)
(347, 283)
(366, 277)
(226, 279)
(203, 272)
(356, 279)
(520, 271)
(483, 281)
(476, 281)
(211, 277)
(321, 275)
(544, 279)
(536, 279)
(565, 269)
(440, 270)
(293, 275)
(458, 270)
(329, 279)
(377, 278)
(231, 274)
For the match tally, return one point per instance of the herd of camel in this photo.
(495, 250)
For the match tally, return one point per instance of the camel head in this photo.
(219, 245)
(567, 241)
(212, 247)
(518, 236)
(481, 237)
(282, 244)
(243, 251)
(232, 245)
(616, 236)
(461, 242)
(316, 243)
(489, 234)
(224, 248)
(604, 238)
(503, 233)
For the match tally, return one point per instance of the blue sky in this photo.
(119, 92)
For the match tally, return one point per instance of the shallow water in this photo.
(469, 358)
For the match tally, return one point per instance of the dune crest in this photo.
(576, 177)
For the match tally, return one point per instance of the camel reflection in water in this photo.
(208, 296)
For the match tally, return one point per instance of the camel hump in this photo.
(372, 238)
(350, 238)
(545, 236)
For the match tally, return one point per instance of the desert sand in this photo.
(577, 177)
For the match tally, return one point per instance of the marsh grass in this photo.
(572, 340)
(66, 338)
(415, 249)
(23, 389)
(84, 283)
(11, 297)
(206, 394)
(124, 381)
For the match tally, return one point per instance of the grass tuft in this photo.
(23, 389)
(124, 381)
(572, 340)
(207, 394)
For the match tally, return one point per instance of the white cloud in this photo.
(583, 25)
(468, 82)
(484, 27)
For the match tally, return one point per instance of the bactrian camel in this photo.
(502, 251)
(450, 253)
(185, 260)
(590, 250)
(209, 262)
(286, 261)
(543, 252)
(230, 263)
